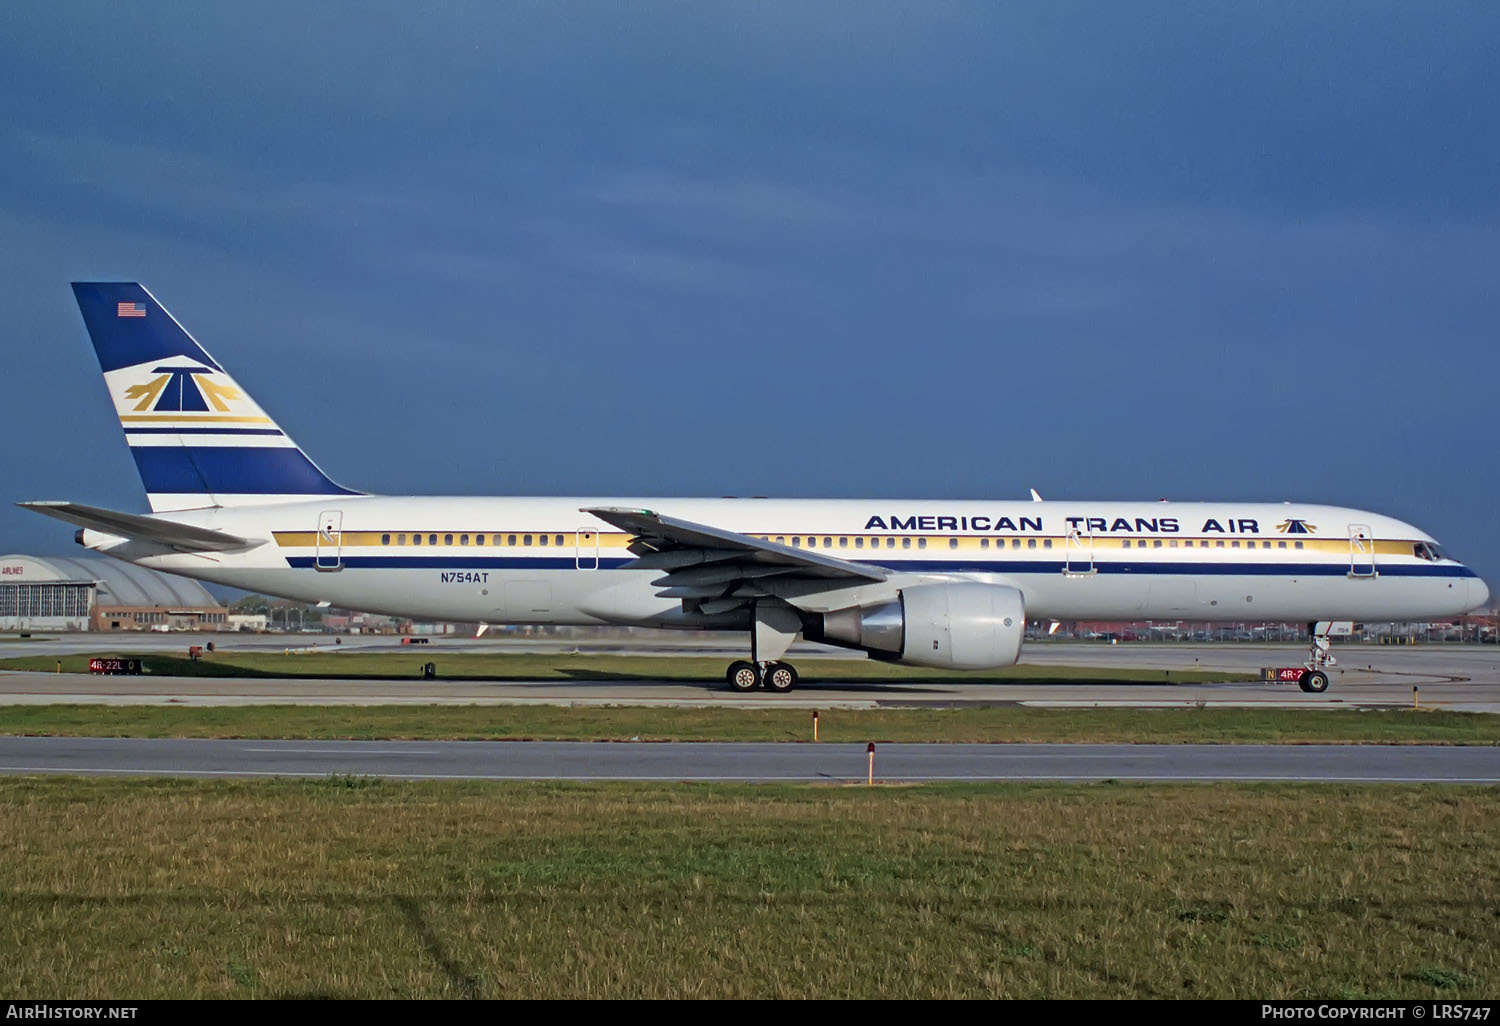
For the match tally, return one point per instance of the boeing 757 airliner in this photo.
(920, 582)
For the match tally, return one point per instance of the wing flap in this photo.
(183, 537)
(667, 536)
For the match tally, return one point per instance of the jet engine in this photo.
(959, 625)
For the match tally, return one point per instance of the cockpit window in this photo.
(1429, 551)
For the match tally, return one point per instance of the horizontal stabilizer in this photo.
(183, 537)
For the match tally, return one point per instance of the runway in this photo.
(1452, 677)
(706, 761)
(1458, 677)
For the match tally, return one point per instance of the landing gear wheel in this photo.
(780, 677)
(1314, 682)
(742, 676)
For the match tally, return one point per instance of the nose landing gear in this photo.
(1315, 679)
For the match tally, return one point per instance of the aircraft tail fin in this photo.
(198, 438)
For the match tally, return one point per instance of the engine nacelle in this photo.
(959, 626)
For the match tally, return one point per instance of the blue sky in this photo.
(1219, 251)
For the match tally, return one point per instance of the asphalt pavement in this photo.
(708, 761)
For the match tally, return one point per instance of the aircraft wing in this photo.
(718, 569)
(182, 537)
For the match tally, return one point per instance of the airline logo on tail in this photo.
(180, 388)
(183, 388)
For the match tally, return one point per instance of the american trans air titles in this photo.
(235, 501)
(1076, 525)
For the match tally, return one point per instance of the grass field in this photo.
(591, 723)
(353, 665)
(356, 888)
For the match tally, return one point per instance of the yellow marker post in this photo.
(870, 781)
(59, 666)
(815, 724)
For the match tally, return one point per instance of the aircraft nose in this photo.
(1479, 593)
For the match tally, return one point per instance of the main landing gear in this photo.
(744, 675)
(776, 627)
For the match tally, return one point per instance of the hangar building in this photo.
(71, 593)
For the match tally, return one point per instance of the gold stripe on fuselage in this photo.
(847, 544)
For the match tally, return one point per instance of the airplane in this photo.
(932, 583)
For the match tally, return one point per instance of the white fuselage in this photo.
(541, 560)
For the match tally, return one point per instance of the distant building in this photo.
(81, 593)
(249, 622)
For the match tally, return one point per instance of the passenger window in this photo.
(1046, 543)
(416, 539)
(1015, 543)
(984, 543)
(400, 539)
(1156, 544)
(859, 543)
(828, 543)
(447, 539)
(1219, 543)
(559, 539)
(1031, 543)
(953, 543)
(463, 539)
(1172, 544)
(781, 539)
(812, 543)
(1281, 545)
(541, 539)
(906, 543)
(479, 539)
(1125, 544)
(510, 539)
(1234, 545)
(495, 540)
(921, 543)
(890, 543)
(1188, 544)
(525, 539)
(1298, 544)
(796, 542)
(843, 543)
(385, 539)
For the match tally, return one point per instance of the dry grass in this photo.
(355, 888)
